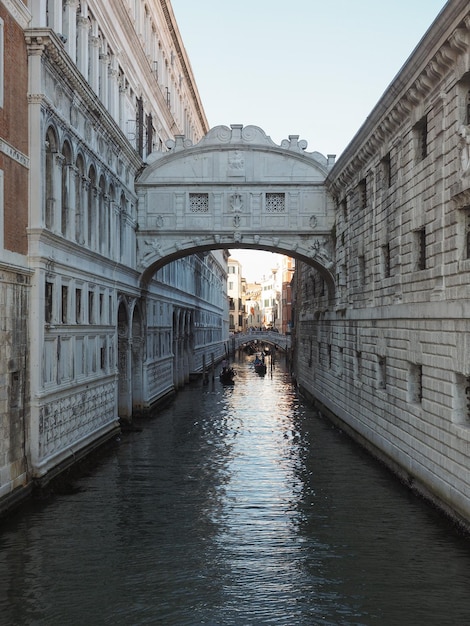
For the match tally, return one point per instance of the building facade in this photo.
(236, 286)
(15, 275)
(89, 90)
(388, 353)
(287, 306)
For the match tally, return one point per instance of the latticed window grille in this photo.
(199, 202)
(275, 202)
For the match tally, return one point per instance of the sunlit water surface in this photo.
(236, 505)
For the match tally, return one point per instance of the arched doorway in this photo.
(138, 356)
(124, 363)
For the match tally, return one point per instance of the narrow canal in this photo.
(234, 506)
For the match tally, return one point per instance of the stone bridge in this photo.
(276, 339)
(234, 189)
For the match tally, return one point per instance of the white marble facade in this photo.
(109, 83)
(389, 355)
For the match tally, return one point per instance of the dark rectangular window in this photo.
(421, 138)
(91, 305)
(467, 109)
(416, 383)
(386, 260)
(149, 133)
(467, 398)
(78, 306)
(465, 221)
(65, 303)
(382, 372)
(140, 126)
(48, 302)
(420, 241)
(362, 269)
(362, 193)
(15, 389)
(387, 171)
(358, 364)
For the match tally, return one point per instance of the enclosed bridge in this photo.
(236, 188)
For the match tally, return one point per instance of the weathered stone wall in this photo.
(14, 380)
(390, 353)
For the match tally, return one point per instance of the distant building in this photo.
(287, 307)
(235, 292)
(271, 300)
(252, 305)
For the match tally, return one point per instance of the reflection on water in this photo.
(236, 505)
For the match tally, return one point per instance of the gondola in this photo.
(227, 376)
(260, 368)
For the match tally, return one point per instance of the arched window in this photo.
(91, 212)
(79, 200)
(102, 217)
(122, 226)
(65, 200)
(51, 153)
(112, 221)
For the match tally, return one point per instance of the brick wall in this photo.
(14, 131)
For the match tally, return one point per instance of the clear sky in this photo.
(313, 68)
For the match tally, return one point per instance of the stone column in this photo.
(83, 27)
(72, 196)
(104, 78)
(54, 15)
(114, 92)
(69, 26)
(93, 77)
(56, 216)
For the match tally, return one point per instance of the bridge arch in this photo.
(236, 188)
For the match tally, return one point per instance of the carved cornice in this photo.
(44, 41)
(19, 11)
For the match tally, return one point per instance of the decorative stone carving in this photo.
(88, 130)
(153, 248)
(319, 252)
(58, 95)
(464, 133)
(74, 115)
(236, 163)
(236, 202)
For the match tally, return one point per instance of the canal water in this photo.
(234, 506)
